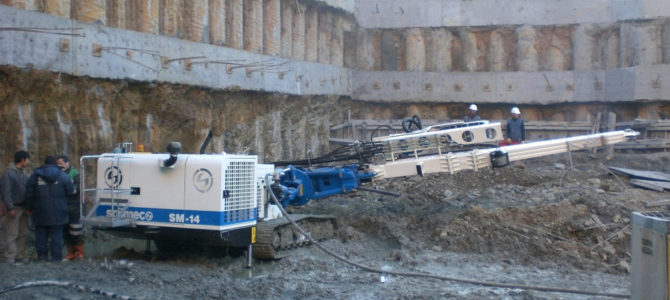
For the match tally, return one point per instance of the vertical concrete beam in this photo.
(368, 49)
(298, 32)
(612, 52)
(253, 25)
(438, 50)
(311, 33)
(287, 28)
(34, 5)
(147, 16)
(389, 48)
(348, 42)
(640, 44)
(650, 45)
(470, 51)
(415, 53)
(401, 56)
(350, 52)
(131, 15)
(628, 40)
(496, 52)
(666, 42)
(89, 11)
(169, 15)
(235, 23)
(560, 51)
(584, 48)
(116, 13)
(217, 22)
(59, 8)
(527, 57)
(325, 35)
(337, 42)
(272, 24)
(195, 20)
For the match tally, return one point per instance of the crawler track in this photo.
(275, 237)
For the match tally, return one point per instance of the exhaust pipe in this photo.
(173, 148)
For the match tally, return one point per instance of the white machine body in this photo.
(212, 192)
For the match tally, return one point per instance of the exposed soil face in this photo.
(534, 223)
(47, 113)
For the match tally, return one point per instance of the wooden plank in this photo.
(644, 144)
(611, 119)
(656, 203)
(596, 129)
(653, 175)
(649, 184)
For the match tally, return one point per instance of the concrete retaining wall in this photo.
(620, 85)
(456, 13)
(626, 61)
(104, 52)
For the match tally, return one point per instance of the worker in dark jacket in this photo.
(74, 240)
(46, 194)
(516, 130)
(13, 185)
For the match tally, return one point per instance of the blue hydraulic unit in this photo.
(297, 186)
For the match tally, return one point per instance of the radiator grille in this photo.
(239, 182)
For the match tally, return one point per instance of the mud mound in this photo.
(553, 209)
(594, 233)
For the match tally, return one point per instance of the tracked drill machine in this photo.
(180, 199)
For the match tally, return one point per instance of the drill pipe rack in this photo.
(482, 158)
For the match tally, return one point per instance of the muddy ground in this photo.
(539, 222)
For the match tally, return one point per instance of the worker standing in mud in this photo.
(15, 219)
(472, 114)
(46, 195)
(516, 129)
(74, 239)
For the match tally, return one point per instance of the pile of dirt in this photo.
(543, 210)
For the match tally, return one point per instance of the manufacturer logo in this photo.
(202, 180)
(137, 215)
(113, 177)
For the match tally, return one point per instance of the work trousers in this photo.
(49, 238)
(74, 229)
(3, 235)
(16, 230)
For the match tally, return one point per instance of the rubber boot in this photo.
(70, 252)
(79, 251)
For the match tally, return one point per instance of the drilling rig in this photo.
(234, 200)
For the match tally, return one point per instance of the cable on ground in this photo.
(38, 283)
(428, 275)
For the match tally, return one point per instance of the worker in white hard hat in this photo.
(472, 114)
(516, 130)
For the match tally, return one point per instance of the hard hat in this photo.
(473, 107)
(515, 110)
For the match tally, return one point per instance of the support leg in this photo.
(250, 255)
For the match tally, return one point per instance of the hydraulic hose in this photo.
(428, 275)
(66, 284)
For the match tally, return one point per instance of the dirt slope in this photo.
(537, 222)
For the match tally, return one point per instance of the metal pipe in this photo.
(250, 255)
(379, 192)
(452, 162)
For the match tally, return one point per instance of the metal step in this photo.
(107, 222)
